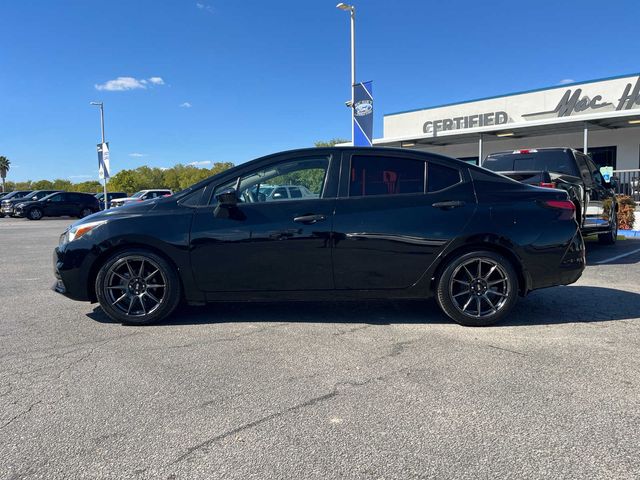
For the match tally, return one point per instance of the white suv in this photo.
(284, 192)
(140, 196)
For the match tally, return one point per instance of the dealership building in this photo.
(601, 116)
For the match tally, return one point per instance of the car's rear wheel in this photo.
(611, 236)
(478, 288)
(137, 287)
(85, 212)
(34, 214)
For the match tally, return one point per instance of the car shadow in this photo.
(571, 304)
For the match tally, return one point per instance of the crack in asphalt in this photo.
(507, 350)
(22, 414)
(300, 406)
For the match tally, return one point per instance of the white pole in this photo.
(585, 139)
(102, 131)
(353, 70)
(480, 150)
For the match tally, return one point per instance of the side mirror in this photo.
(277, 196)
(227, 198)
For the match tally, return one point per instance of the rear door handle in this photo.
(449, 205)
(310, 219)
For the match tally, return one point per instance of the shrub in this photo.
(626, 212)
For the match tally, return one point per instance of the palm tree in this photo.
(5, 163)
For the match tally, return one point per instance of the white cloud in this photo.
(121, 84)
(81, 176)
(200, 164)
(137, 155)
(205, 7)
(186, 105)
(565, 81)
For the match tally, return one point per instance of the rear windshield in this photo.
(558, 161)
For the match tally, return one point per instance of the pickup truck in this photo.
(569, 170)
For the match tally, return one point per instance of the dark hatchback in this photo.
(383, 223)
(58, 204)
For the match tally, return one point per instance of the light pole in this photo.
(352, 13)
(101, 105)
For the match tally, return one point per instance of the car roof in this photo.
(543, 149)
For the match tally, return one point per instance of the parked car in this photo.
(571, 171)
(282, 192)
(387, 223)
(6, 201)
(57, 205)
(141, 196)
(8, 205)
(3, 194)
(110, 196)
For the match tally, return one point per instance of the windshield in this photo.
(16, 194)
(138, 194)
(547, 161)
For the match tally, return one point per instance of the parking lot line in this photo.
(607, 260)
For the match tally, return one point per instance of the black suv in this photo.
(8, 206)
(57, 205)
(110, 196)
(570, 170)
(11, 196)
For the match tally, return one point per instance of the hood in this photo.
(130, 210)
(26, 203)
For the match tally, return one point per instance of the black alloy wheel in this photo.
(478, 288)
(35, 214)
(137, 287)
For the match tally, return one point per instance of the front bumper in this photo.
(7, 210)
(71, 272)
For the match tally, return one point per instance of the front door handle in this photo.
(310, 219)
(449, 205)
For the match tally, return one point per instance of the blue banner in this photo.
(362, 114)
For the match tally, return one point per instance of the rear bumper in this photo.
(569, 270)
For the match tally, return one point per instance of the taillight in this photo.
(567, 208)
(525, 150)
(547, 184)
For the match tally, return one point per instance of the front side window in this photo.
(60, 197)
(270, 183)
(440, 177)
(374, 175)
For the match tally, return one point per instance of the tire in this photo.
(494, 291)
(611, 236)
(34, 214)
(128, 297)
(85, 212)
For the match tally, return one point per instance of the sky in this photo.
(201, 81)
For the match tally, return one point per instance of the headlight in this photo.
(78, 231)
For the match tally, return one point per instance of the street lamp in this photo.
(352, 13)
(101, 105)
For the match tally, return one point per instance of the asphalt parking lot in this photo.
(308, 390)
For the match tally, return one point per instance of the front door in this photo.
(266, 243)
(56, 205)
(396, 215)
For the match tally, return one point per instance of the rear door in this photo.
(395, 214)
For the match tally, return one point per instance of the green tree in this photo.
(330, 143)
(5, 165)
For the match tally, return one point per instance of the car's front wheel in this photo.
(478, 288)
(34, 214)
(137, 287)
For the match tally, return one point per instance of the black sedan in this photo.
(381, 223)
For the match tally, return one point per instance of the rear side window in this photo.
(554, 161)
(440, 177)
(374, 175)
(295, 192)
